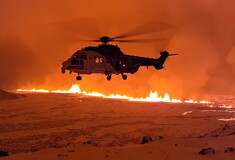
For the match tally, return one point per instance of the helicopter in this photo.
(109, 60)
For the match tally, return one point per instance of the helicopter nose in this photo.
(63, 64)
(63, 68)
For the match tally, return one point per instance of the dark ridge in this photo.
(4, 95)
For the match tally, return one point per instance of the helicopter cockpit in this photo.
(78, 58)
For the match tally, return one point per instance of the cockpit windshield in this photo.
(79, 55)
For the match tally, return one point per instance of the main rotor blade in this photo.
(142, 40)
(145, 29)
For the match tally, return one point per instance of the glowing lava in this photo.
(153, 96)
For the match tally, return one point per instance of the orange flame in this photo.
(153, 96)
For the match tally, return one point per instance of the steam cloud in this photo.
(35, 36)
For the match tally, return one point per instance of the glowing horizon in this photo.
(152, 97)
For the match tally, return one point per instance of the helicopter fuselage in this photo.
(108, 60)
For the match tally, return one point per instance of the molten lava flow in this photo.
(153, 96)
(33, 90)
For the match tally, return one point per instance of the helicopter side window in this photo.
(83, 56)
(97, 60)
(101, 60)
(74, 62)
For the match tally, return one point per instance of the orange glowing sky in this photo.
(37, 35)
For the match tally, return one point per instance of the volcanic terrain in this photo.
(73, 126)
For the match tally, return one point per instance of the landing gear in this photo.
(109, 77)
(79, 78)
(124, 77)
(62, 70)
(106, 73)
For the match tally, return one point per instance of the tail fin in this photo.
(163, 57)
(161, 60)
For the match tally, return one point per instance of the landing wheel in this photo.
(78, 78)
(109, 77)
(124, 76)
(62, 70)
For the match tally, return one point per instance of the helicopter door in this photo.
(99, 65)
(83, 60)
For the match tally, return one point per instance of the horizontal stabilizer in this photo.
(175, 54)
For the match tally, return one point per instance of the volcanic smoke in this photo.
(35, 37)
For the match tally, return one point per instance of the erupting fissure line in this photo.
(153, 96)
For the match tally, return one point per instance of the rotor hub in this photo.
(105, 39)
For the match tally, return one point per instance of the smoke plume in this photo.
(36, 36)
